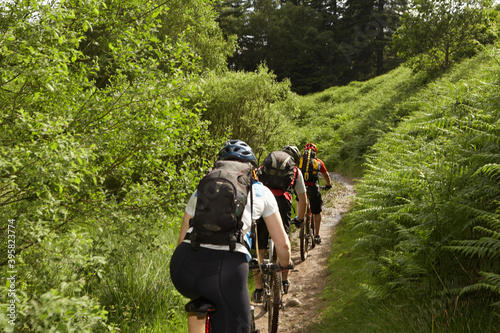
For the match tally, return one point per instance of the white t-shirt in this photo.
(264, 205)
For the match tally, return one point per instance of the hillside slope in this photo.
(345, 122)
(419, 250)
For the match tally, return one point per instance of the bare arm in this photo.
(302, 205)
(326, 176)
(184, 227)
(279, 237)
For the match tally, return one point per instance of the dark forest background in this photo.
(316, 44)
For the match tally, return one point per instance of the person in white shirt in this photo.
(218, 274)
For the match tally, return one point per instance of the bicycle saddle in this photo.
(201, 306)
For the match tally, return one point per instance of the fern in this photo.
(490, 282)
(491, 170)
(483, 248)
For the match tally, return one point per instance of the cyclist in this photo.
(214, 271)
(284, 200)
(311, 167)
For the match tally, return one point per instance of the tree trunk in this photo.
(380, 39)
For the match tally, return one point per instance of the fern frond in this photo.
(491, 170)
(483, 248)
(374, 291)
(491, 278)
(490, 282)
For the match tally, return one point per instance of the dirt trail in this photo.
(310, 277)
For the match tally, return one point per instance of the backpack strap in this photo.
(193, 235)
(252, 222)
(295, 176)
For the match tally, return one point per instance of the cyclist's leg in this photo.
(185, 282)
(221, 277)
(263, 237)
(285, 208)
(317, 223)
(196, 324)
(232, 299)
(316, 203)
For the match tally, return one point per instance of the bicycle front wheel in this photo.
(274, 301)
(311, 232)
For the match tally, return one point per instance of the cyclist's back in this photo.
(280, 173)
(312, 167)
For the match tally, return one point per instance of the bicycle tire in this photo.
(274, 302)
(304, 240)
(311, 228)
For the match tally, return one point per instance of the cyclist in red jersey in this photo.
(311, 167)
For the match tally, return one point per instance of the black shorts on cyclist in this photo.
(315, 199)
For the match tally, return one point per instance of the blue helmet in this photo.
(237, 150)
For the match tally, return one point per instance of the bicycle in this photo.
(273, 288)
(307, 231)
(306, 234)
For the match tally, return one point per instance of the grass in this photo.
(139, 294)
(423, 305)
(344, 122)
(354, 308)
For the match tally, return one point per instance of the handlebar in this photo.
(267, 266)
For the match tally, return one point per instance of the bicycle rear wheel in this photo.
(311, 232)
(274, 301)
(304, 239)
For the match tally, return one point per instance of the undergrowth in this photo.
(356, 307)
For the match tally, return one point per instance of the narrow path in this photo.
(309, 278)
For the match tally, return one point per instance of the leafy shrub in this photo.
(64, 309)
(99, 143)
(250, 106)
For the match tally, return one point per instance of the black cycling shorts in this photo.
(315, 200)
(221, 277)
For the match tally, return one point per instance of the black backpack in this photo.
(309, 165)
(222, 197)
(278, 171)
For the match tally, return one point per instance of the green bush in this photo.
(250, 106)
(65, 309)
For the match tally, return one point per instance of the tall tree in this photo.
(294, 38)
(365, 32)
(314, 43)
(434, 34)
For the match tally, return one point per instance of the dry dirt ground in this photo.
(309, 277)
